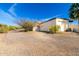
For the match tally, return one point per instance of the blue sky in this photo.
(9, 12)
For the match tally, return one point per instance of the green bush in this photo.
(12, 27)
(28, 26)
(3, 28)
(54, 29)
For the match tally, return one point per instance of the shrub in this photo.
(12, 27)
(68, 30)
(54, 28)
(3, 28)
(26, 25)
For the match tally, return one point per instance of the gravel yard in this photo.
(38, 44)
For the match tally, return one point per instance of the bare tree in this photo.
(26, 25)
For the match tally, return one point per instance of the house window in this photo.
(62, 22)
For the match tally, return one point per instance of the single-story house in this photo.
(44, 26)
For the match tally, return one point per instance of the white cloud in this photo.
(12, 9)
(5, 17)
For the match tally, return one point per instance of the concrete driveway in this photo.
(39, 44)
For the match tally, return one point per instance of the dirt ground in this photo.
(39, 44)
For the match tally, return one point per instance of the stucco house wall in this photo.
(62, 23)
(44, 26)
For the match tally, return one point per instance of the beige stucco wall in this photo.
(72, 26)
(45, 26)
(62, 23)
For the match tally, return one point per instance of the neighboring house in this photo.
(44, 26)
(73, 26)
